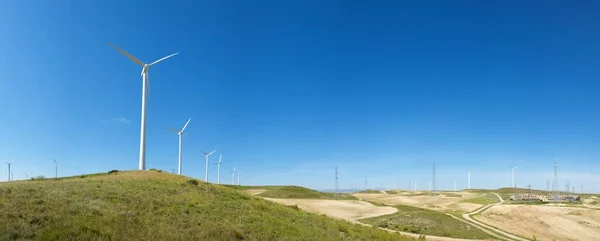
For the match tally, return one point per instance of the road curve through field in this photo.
(467, 216)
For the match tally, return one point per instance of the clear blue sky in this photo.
(287, 90)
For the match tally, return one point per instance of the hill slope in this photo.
(149, 205)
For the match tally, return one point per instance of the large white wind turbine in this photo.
(145, 88)
(219, 169)
(180, 134)
(207, 155)
(233, 176)
(55, 168)
(513, 175)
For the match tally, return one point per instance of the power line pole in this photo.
(433, 184)
(555, 182)
(336, 181)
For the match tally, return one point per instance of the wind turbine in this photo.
(26, 176)
(8, 171)
(55, 168)
(207, 155)
(233, 176)
(469, 184)
(219, 169)
(180, 134)
(145, 92)
(239, 173)
(513, 175)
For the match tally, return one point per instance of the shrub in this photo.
(113, 171)
(40, 177)
(156, 170)
(193, 182)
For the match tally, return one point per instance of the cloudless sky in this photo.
(287, 90)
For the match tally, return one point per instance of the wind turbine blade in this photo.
(173, 130)
(203, 152)
(134, 59)
(220, 155)
(211, 152)
(233, 168)
(156, 62)
(55, 161)
(186, 125)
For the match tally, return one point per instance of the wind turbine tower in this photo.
(55, 168)
(207, 155)
(239, 173)
(469, 180)
(513, 175)
(180, 134)
(145, 93)
(26, 176)
(233, 176)
(9, 170)
(219, 169)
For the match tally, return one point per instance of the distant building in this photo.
(544, 198)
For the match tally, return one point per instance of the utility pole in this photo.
(336, 182)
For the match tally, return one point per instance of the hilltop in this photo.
(151, 205)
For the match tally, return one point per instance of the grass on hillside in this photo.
(488, 198)
(427, 222)
(148, 205)
(295, 192)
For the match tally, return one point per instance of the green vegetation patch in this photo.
(369, 191)
(295, 192)
(426, 222)
(489, 198)
(152, 205)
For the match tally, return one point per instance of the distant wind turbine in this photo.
(145, 92)
(513, 175)
(55, 168)
(239, 173)
(233, 176)
(219, 169)
(26, 176)
(207, 155)
(180, 134)
(9, 170)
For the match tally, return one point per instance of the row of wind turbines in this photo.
(145, 93)
(11, 176)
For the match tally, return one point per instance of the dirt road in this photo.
(468, 218)
(545, 222)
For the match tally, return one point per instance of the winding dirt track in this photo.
(468, 218)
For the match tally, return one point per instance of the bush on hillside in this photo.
(113, 171)
(40, 177)
(193, 182)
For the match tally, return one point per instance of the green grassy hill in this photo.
(294, 192)
(488, 198)
(150, 205)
